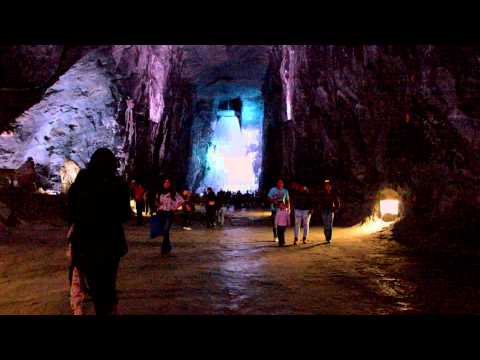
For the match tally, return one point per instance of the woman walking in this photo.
(99, 202)
(168, 201)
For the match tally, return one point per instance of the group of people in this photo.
(303, 201)
(216, 204)
(99, 204)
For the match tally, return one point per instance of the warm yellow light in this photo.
(133, 206)
(389, 206)
(372, 226)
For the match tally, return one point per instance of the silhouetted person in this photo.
(99, 202)
(329, 203)
(138, 195)
(25, 179)
(168, 201)
(188, 207)
(210, 207)
(221, 207)
(277, 195)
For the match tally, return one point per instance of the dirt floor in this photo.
(240, 270)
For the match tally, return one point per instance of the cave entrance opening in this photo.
(230, 164)
(388, 206)
(227, 144)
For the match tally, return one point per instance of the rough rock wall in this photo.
(273, 121)
(406, 117)
(26, 71)
(204, 115)
(150, 75)
(172, 145)
(141, 73)
(77, 115)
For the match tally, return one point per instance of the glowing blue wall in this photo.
(233, 159)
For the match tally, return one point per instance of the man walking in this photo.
(329, 204)
(303, 205)
(277, 194)
(210, 207)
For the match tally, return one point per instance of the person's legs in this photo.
(281, 235)
(77, 295)
(221, 216)
(330, 225)
(296, 228)
(327, 217)
(187, 219)
(212, 216)
(101, 276)
(306, 224)
(166, 245)
(209, 216)
(107, 291)
(139, 212)
(274, 226)
(325, 221)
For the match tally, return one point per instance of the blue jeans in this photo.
(327, 218)
(166, 218)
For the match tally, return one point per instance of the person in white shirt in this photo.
(168, 201)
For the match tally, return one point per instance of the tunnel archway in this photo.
(389, 204)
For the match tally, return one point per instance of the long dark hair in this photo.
(103, 163)
(172, 190)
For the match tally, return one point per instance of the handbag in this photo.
(156, 226)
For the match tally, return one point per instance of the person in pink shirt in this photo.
(168, 202)
(282, 221)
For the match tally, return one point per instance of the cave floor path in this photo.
(240, 270)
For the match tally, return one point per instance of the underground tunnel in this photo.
(393, 127)
(237, 117)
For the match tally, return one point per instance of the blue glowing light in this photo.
(231, 156)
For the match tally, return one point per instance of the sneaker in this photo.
(275, 239)
(187, 228)
(304, 240)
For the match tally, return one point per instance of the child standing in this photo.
(282, 221)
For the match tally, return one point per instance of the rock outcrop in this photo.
(77, 115)
(27, 71)
(370, 117)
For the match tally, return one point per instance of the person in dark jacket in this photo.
(188, 208)
(210, 207)
(329, 203)
(303, 205)
(98, 206)
(139, 197)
